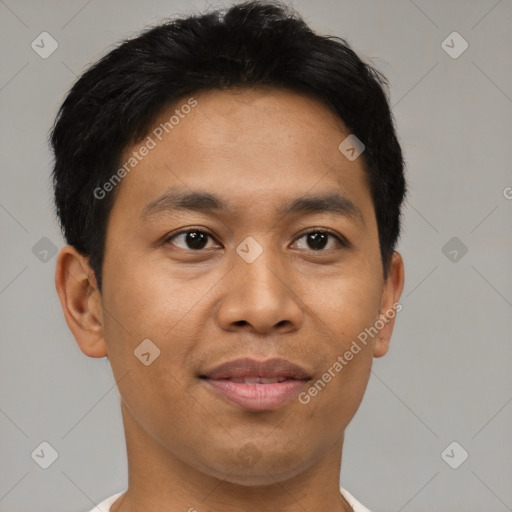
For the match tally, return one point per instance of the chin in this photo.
(258, 473)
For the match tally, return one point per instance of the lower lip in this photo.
(257, 397)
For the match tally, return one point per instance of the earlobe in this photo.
(390, 305)
(80, 301)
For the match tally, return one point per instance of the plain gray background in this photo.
(447, 376)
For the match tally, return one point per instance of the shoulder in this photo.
(358, 507)
(105, 505)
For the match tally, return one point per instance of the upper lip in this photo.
(247, 367)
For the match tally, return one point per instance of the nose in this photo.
(260, 297)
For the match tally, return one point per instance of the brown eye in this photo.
(193, 239)
(318, 240)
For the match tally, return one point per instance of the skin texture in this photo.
(256, 149)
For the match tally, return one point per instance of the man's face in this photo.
(202, 299)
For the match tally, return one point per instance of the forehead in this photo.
(262, 117)
(258, 144)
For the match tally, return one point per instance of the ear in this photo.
(389, 306)
(80, 301)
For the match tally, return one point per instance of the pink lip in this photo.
(256, 397)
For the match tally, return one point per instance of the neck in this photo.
(161, 480)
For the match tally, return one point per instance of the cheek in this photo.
(146, 300)
(336, 392)
(147, 342)
(346, 305)
(151, 304)
(343, 314)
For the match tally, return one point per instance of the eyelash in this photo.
(344, 243)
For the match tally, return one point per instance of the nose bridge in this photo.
(260, 269)
(264, 277)
(259, 292)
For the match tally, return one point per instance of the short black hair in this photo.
(250, 44)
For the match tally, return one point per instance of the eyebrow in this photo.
(205, 202)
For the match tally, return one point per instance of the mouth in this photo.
(256, 385)
(254, 393)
